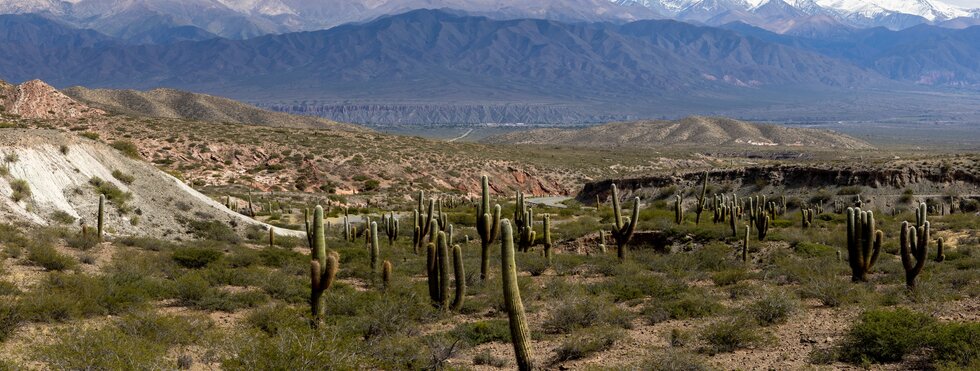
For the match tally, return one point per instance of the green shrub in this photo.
(22, 190)
(729, 334)
(673, 360)
(62, 218)
(773, 308)
(585, 342)
(106, 348)
(730, 276)
(123, 177)
(687, 305)
(584, 311)
(111, 191)
(195, 257)
(485, 358)
(293, 349)
(213, 230)
(883, 336)
(47, 257)
(481, 332)
(10, 320)
(956, 345)
(166, 329)
(82, 242)
(127, 148)
(270, 319)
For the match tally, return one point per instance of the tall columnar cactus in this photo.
(546, 225)
(702, 199)
(442, 218)
(487, 226)
(623, 227)
(733, 218)
(913, 244)
(386, 269)
(863, 243)
(417, 232)
(424, 222)
(460, 278)
(762, 224)
(940, 254)
(443, 264)
(375, 249)
(519, 333)
(272, 237)
(921, 215)
(432, 272)
(391, 228)
(678, 209)
(745, 245)
(323, 268)
(100, 218)
(309, 230)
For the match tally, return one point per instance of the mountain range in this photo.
(445, 67)
(166, 21)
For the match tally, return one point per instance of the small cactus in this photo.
(623, 227)
(375, 249)
(940, 253)
(702, 199)
(386, 274)
(678, 209)
(272, 237)
(745, 245)
(519, 333)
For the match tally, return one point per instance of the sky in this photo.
(964, 3)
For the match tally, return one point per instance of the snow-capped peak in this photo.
(928, 9)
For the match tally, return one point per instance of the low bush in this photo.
(481, 332)
(585, 342)
(684, 306)
(48, 258)
(773, 308)
(729, 334)
(195, 257)
(585, 311)
(884, 336)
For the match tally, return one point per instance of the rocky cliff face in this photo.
(37, 100)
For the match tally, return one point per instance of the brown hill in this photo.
(37, 100)
(690, 131)
(176, 104)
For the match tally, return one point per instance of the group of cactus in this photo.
(863, 243)
(761, 213)
(524, 222)
(437, 271)
(423, 222)
(806, 215)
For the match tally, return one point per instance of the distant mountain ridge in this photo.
(37, 100)
(690, 131)
(170, 103)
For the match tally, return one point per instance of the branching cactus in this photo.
(460, 278)
(921, 215)
(524, 221)
(807, 217)
(519, 333)
(762, 224)
(487, 226)
(913, 244)
(702, 199)
(323, 267)
(391, 228)
(863, 243)
(623, 227)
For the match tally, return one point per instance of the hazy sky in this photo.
(964, 3)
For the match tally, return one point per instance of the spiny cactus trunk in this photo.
(913, 244)
(101, 217)
(487, 226)
(375, 250)
(547, 237)
(320, 281)
(386, 269)
(443, 264)
(940, 253)
(460, 278)
(432, 272)
(519, 332)
(745, 245)
(863, 243)
(623, 227)
(702, 199)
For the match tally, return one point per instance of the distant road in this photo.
(468, 132)
(555, 201)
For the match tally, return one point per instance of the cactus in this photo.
(309, 232)
(524, 221)
(519, 333)
(375, 249)
(391, 228)
(940, 253)
(602, 241)
(913, 244)
(323, 268)
(807, 217)
(386, 275)
(100, 219)
(678, 209)
(863, 243)
(623, 227)
(460, 278)
(443, 266)
(702, 199)
(272, 237)
(547, 237)
(745, 244)
(487, 226)
(733, 218)
(921, 215)
(432, 271)
(762, 224)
